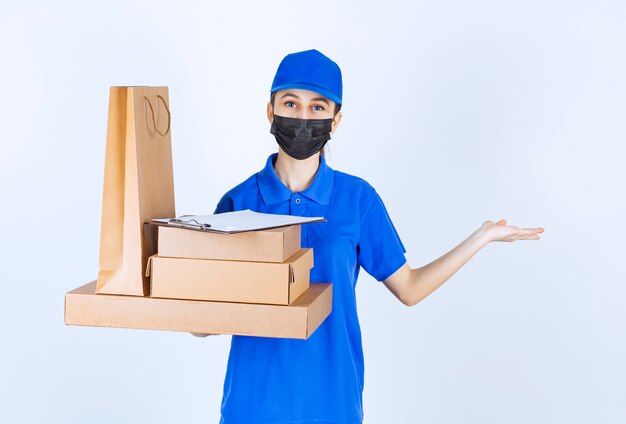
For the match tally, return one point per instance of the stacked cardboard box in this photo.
(265, 266)
(254, 283)
(297, 321)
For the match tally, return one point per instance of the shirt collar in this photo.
(273, 190)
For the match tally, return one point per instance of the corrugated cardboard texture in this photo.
(231, 281)
(298, 321)
(272, 245)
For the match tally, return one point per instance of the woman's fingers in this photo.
(499, 231)
(527, 233)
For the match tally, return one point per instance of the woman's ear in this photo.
(335, 123)
(270, 112)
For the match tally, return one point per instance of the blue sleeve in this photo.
(380, 251)
(224, 205)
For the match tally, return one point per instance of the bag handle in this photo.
(169, 115)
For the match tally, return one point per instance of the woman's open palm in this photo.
(499, 231)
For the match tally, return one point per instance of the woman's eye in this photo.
(290, 104)
(318, 108)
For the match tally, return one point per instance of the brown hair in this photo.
(337, 109)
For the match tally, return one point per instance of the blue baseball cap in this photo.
(309, 70)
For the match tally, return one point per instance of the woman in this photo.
(320, 380)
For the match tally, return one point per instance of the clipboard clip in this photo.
(189, 223)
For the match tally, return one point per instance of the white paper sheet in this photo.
(239, 221)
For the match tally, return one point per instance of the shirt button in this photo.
(298, 201)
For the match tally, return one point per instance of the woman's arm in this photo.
(412, 285)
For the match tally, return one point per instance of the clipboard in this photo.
(236, 222)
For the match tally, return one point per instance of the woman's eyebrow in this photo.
(315, 99)
(320, 99)
(289, 94)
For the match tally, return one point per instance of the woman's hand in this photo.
(410, 286)
(499, 231)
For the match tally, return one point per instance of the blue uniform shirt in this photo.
(318, 380)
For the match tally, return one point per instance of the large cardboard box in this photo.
(271, 245)
(231, 281)
(298, 320)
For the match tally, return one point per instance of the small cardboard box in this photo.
(231, 281)
(272, 245)
(297, 321)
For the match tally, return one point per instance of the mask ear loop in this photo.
(169, 116)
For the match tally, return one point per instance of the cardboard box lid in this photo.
(269, 245)
(298, 321)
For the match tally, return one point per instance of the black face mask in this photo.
(301, 138)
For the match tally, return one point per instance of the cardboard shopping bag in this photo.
(138, 186)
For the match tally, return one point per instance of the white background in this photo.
(456, 112)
